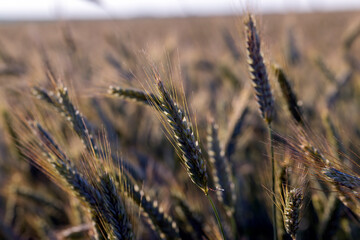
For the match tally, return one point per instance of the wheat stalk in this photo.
(263, 94)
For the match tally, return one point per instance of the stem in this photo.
(273, 182)
(216, 215)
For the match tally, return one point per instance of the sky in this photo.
(83, 9)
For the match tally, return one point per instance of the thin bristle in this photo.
(258, 71)
(190, 152)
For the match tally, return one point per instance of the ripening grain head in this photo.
(258, 71)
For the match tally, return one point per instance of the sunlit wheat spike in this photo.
(87, 193)
(160, 221)
(289, 95)
(76, 119)
(82, 188)
(258, 71)
(340, 178)
(62, 103)
(134, 94)
(293, 202)
(115, 210)
(79, 123)
(191, 155)
(221, 170)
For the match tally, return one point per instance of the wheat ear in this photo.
(293, 202)
(263, 94)
(101, 202)
(134, 94)
(159, 221)
(221, 170)
(191, 155)
(258, 71)
(289, 95)
(115, 211)
(186, 144)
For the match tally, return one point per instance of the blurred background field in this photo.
(320, 53)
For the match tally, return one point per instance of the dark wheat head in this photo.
(258, 71)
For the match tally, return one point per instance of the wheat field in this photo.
(236, 127)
